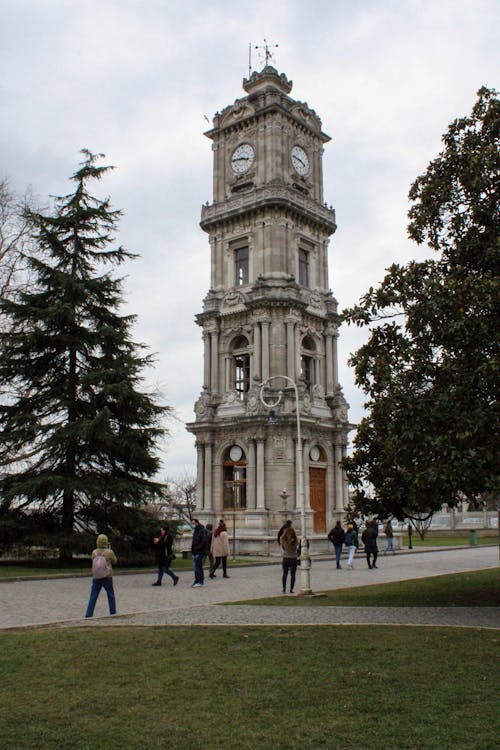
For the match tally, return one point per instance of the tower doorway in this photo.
(317, 498)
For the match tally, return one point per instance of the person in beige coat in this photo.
(220, 549)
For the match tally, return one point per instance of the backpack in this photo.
(100, 567)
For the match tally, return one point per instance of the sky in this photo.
(136, 80)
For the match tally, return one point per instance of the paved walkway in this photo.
(63, 601)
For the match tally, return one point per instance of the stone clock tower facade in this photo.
(269, 312)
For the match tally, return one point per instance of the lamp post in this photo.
(305, 560)
(236, 489)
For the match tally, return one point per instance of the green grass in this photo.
(480, 588)
(432, 540)
(249, 688)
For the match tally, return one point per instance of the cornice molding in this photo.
(284, 198)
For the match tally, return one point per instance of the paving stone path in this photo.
(63, 601)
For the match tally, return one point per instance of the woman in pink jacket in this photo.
(220, 549)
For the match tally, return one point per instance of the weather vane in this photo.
(267, 52)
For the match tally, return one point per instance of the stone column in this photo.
(307, 486)
(208, 477)
(227, 368)
(257, 368)
(260, 475)
(345, 483)
(335, 361)
(296, 374)
(329, 363)
(206, 360)
(339, 481)
(290, 348)
(200, 476)
(265, 349)
(214, 359)
(251, 477)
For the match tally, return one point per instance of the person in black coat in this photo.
(164, 555)
(198, 550)
(369, 539)
(337, 537)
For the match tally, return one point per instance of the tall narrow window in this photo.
(303, 267)
(235, 480)
(241, 366)
(306, 364)
(242, 380)
(241, 266)
(307, 358)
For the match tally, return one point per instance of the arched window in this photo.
(308, 351)
(235, 479)
(241, 365)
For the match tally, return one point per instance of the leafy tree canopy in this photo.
(71, 406)
(430, 365)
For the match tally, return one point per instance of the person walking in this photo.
(220, 549)
(389, 535)
(369, 539)
(351, 542)
(198, 550)
(289, 544)
(337, 537)
(164, 555)
(103, 559)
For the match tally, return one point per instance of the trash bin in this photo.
(472, 537)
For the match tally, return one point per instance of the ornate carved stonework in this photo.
(268, 226)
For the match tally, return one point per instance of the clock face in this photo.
(235, 453)
(300, 160)
(242, 158)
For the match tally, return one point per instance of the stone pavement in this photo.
(63, 601)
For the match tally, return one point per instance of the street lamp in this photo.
(236, 496)
(305, 560)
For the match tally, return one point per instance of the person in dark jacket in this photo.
(289, 544)
(198, 550)
(163, 548)
(369, 539)
(337, 537)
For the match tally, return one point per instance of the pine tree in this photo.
(70, 403)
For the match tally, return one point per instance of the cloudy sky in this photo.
(133, 79)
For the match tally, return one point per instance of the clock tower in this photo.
(269, 312)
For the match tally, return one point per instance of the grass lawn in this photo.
(249, 688)
(446, 541)
(479, 588)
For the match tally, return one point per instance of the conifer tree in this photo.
(71, 404)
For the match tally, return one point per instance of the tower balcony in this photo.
(286, 199)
